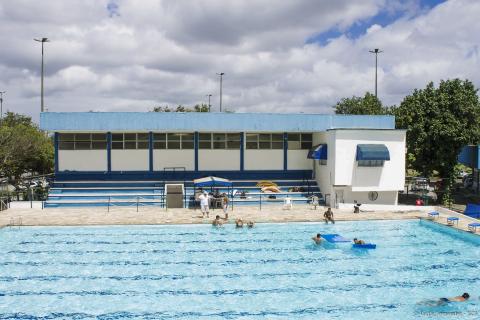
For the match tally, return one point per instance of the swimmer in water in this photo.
(217, 222)
(250, 224)
(358, 241)
(443, 301)
(239, 223)
(317, 239)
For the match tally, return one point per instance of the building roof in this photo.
(207, 122)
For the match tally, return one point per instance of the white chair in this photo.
(314, 202)
(287, 203)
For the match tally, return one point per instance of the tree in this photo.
(369, 104)
(23, 147)
(439, 122)
(197, 108)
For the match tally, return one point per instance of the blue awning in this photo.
(372, 152)
(212, 182)
(319, 152)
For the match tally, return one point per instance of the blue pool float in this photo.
(365, 246)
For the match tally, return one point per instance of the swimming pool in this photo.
(270, 272)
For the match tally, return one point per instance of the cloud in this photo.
(278, 56)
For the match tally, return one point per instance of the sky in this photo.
(277, 56)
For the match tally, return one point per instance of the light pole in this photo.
(1, 103)
(209, 105)
(42, 40)
(221, 78)
(376, 51)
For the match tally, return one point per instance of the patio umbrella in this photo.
(212, 181)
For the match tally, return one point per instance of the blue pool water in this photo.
(270, 272)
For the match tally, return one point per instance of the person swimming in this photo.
(443, 301)
(358, 241)
(317, 239)
(217, 222)
(250, 224)
(239, 223)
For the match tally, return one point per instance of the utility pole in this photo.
(376, 51)
(221, 78)
(42, 40)
(209, 105)
(1, 103)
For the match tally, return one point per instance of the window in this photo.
(370, 163)
(299, 141)
(264, 141)
(82, 141)
(129, 141)
(219, 140)
(173, 141)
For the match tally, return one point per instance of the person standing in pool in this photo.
(317, 239)
(328, 215)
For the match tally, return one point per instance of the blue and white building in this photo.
(350, 157)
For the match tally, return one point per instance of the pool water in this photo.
(270, 272)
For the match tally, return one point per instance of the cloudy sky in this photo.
(277, 56)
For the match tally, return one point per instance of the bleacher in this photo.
(151, 193)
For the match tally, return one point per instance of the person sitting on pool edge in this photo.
(317, 239)
(217, 222)
(239, 223)
(328, 215)
(358, 241)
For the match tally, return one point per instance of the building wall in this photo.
(323, 173)
(173, 158)
(263, 159)
(218, 159)
(82, 160)
(384, 197)
(390, 177)
(130, 160)
(297, 160)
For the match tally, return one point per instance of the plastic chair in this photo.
(314, 202)
(287, 203)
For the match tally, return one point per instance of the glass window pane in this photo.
(173, 137)
(204, 136)
(99, 145)
(117, 145)
(233, 136)
(82, 145)
(130, 136)
(130, 145)
(294, 145)
(173, 144)
(99, 136)
(159, 145)
(142, 136)
(204, 145)
(117, 136)
(66, 137)
(142, 145)
(265, 137)
(277, 145)
(219, 145)
(233, 144)
(187, 145)
(277, 137)
(251, 137)
(252, 145)
(187, 137)
(219, 137)
(264, 145)
(293, 137)
(307, 145)
(82, 137)
(306, 137)
(159, 136)
(66, 145)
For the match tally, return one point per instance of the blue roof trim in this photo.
(206, 122)
(372, 152)
(319, 152)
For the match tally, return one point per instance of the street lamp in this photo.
(1, 103)
(209, 105)
(376, 51)
(221, 77)
(42, 40)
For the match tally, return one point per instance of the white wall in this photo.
(82, 160)
(297, 160)
(323, 173)
(218, 159)
(173, 158)
(263, 159)
(390, 177)
(384, 197)
(130, 160)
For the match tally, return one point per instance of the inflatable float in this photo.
(365, 246)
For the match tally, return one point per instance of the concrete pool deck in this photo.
(150, 215)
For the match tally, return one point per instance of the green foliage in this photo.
(23, 147)
(197, 108)
(439, 122)
(369, 104)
